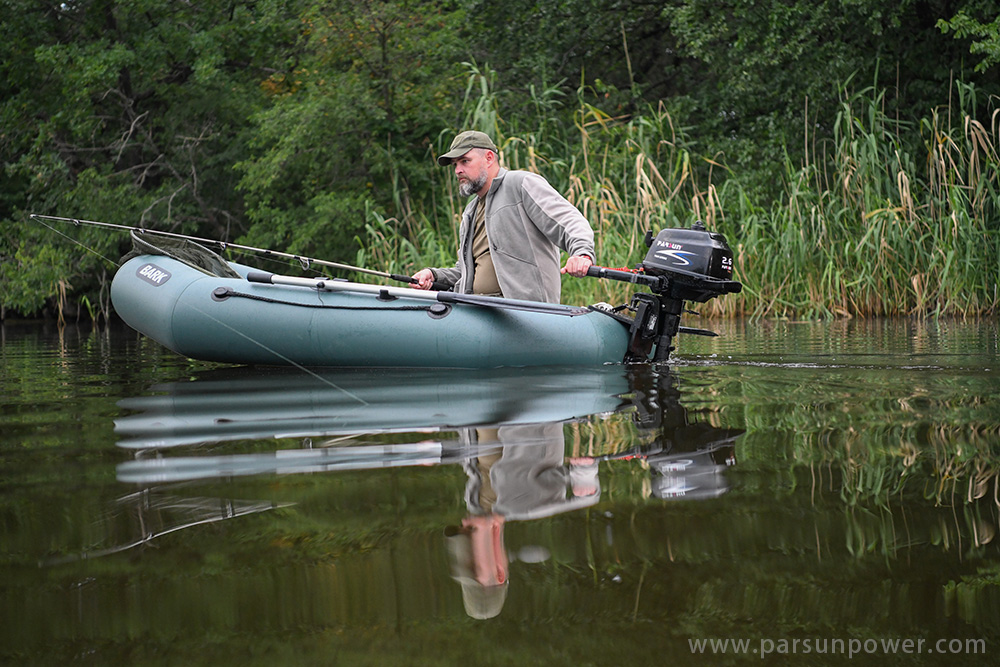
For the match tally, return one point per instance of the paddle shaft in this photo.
(304, 261)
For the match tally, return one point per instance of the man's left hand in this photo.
(577, 265)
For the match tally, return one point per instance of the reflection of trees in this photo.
(845, 513)
(953, 467)
(745, 561)
(909, 443)
(955, 463)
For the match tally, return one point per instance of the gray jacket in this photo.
(528, 222)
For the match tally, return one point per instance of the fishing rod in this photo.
(305, 262)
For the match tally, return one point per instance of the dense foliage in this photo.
(849, 150)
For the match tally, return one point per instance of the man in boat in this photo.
(511, 231)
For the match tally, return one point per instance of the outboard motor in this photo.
(698, 262)
(681, 265)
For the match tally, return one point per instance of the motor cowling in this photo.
(697, 263)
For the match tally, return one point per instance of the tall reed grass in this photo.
(884, 217)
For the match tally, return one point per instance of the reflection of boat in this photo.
(517, 411)
(246, 403)
(507, 432)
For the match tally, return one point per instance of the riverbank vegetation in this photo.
(855, 176)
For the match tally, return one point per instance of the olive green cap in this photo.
(465, 142)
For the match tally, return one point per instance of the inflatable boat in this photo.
(201, 306)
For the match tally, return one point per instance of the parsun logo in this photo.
(153, 274)
(673, 252)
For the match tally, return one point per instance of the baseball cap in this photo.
(465, 142)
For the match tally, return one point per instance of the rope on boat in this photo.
(226, 292)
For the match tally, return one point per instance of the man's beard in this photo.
(467, 188)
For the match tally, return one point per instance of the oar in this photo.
(304, 261)
(426, 295)
(283, 461)
(323, 459)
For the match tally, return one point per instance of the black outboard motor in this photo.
(681, 265)
(698, 262)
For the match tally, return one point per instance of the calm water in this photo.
(818, 490)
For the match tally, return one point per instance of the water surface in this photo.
(818, 489)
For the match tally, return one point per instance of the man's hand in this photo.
(424, 278)
(576, 265)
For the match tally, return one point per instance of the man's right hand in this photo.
(424, 278)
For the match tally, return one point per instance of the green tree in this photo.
(988, 36)
(759, 83)
(352, 127)
(128, 112)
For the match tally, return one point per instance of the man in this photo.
(512, 231)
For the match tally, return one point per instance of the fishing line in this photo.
(73, 240)
(270, 260)
(278, 354)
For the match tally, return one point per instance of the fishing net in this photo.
(183, 250)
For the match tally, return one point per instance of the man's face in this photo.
(470, 169)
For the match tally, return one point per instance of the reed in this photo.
(885, 217)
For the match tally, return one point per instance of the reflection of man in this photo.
(479, 563)
(527, 477)
(523, 478)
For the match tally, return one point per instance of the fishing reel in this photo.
(681, 265)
